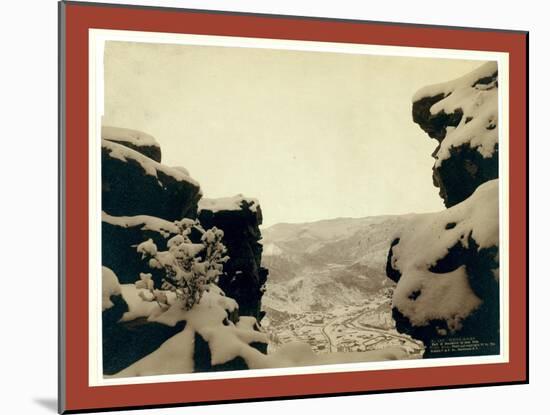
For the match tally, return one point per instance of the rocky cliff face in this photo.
(244, 277)
(140, 200)
(462, 115)
(120, 236)
(133, 184)
(446, 264)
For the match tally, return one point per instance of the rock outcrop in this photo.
(209, 337)
(136, 140)
(462, 115)
(447, 273)
(121, 235)
(446, 264)
(133, 184)
(243, 279)
(141, 199)
(125, 342)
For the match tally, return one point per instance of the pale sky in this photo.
(312, 135)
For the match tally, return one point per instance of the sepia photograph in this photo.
(267, 208)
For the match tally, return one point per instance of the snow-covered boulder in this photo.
(113, 304)
(134, 184)
(120, 236)
(446, 268)
(110, 287)
(136, 140)
(239, 217)
(462, 115)
(127, 334)
(213, 338)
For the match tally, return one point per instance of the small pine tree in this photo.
(188, 267)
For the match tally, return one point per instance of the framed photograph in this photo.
(259, 207)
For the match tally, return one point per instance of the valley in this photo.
(327, 286)
(353, 328)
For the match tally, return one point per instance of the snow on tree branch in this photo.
(188, 267)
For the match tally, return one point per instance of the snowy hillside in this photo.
(328, 287)
(322, 264)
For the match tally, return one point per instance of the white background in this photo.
(28, 167)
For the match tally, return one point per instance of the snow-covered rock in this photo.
(121, 234)
(212, 342)
(446, 264)
(134, 184)
(239, 217)
(462, 115)
(140, 200)
(136, 140)
(109, 287)
(446, 268)
(228, 203)
(128, 336)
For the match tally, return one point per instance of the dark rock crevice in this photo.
(461, 174)
(435, 125)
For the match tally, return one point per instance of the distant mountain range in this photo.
(329, 263)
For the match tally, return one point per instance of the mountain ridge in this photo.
(327, 263)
